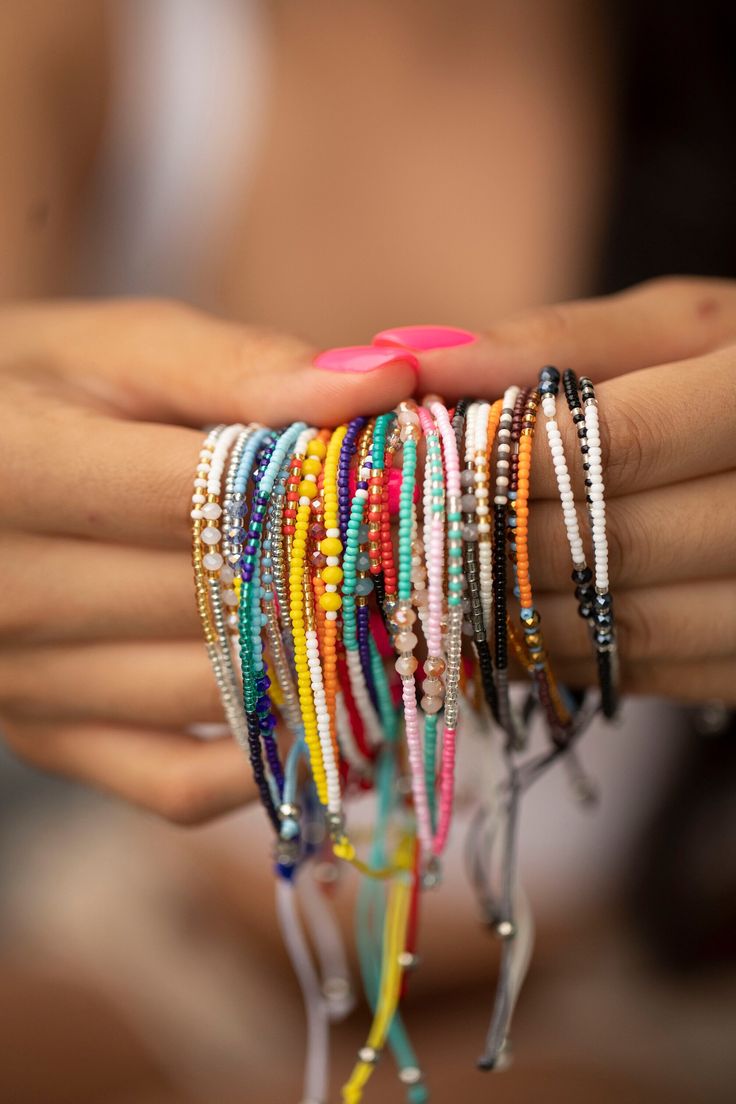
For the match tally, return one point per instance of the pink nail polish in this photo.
(423, 338)
(363, 358)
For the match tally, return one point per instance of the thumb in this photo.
(663, 320)
(167, 362)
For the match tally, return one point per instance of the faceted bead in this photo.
(470, 532)
(317, 560)
(431, 705)
(405, 641)
(330, 601)
(332, 575)
(331, 546)
(363, 562)
(432, 687)
(211, 511)
(467, 503)
(229, 597)
(213, 561)
(363, 587)
(466, 478)
(406, 665)
(226, 574)
(434, 666)
(316, 531)
(210, 535)
(404, 616)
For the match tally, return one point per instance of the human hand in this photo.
(102, 666)
(667, 353)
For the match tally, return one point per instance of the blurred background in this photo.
(329, 169)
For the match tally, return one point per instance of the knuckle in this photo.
(629, 544)
(546, 327)
(638, 634)
(676, 284)
(628, 440)
(166, 491)
(261, 350)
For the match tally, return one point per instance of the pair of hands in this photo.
(101, 663)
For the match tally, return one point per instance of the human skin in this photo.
(663, 356)
(75, 377)
(100, 449)
(102, 668)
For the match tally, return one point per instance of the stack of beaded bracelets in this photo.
(320, 554)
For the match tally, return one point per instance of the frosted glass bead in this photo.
(406, 666)
(431, 705)
(213, 561)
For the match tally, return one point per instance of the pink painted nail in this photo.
(423, 338)
(363, 358)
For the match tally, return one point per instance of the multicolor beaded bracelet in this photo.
(301, 541)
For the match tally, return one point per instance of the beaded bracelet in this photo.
(209, 565)
(546, 688)
(506, 717)
(455, 585)
(295, 531)
(478, 572)
(434, 543)
(602, 620)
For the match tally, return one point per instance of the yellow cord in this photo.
(394, 942)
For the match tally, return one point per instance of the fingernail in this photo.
(363, 358)
(423, 338)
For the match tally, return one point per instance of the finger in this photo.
(685, 682)
(98, 477)
(62, 590)
(661, 425)
(648, 543)
(179, 777)
(75, 472)
(696, 621)
(155, 684)
(167, 362)
(659, 321)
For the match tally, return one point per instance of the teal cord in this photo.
(369, 925)
(430, 764)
